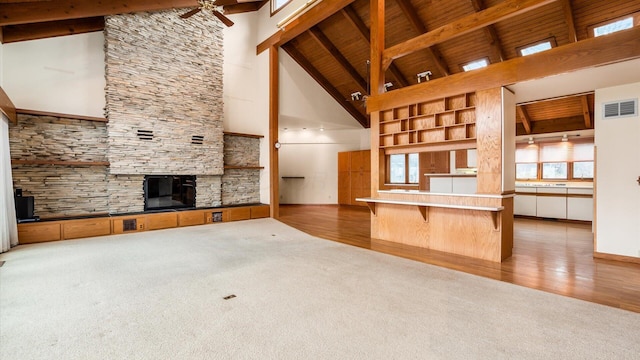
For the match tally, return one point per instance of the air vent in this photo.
(197, 139)
(620, 109)
(129, 225)
(145, 134)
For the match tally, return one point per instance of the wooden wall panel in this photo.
(260, 211)
(162, 221)
(489, 135)
(30, 233)
(75, 229)
(190, 218)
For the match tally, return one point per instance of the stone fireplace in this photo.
(164, 116)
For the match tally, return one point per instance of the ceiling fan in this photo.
(214, 6)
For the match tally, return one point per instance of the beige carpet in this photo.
(159, 295)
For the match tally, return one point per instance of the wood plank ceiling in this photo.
(335, 52)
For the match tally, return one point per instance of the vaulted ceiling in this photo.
(335, 51)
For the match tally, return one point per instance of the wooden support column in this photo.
(274, 111)
(377, 88)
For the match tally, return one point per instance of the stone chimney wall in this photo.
(164, 75)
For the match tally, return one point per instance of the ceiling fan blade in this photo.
(225, 20)
(190, 13)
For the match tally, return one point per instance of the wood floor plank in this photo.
(555, 257)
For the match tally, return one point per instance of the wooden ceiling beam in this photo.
(465, 25)
(32, 12)
(326, 85)
(568, 14)
(244, 7)
(356, 22)
(491, 33)
(617, 47)
(304, 22)
(43, 30)
(572, 123)
(524, 116)
(334, 53)
(586, 112)
(7, 107)
(412, 15)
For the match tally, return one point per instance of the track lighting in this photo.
(565, 137)
(356, 96)
(387, 86)
(424, 75)
(531, 141)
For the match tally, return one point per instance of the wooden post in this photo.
(376, 88)
(274, 171)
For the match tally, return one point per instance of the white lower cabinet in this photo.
(524, 203)
(580, 208)
(550, 205)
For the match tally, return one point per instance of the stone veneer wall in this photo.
(164, 74)
(60, 190)
(241, 186)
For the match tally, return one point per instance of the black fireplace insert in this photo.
(169, 192)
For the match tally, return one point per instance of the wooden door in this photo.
(344, 178)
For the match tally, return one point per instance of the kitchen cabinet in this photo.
(524, 202)
(354, 176)
(551, 203)
(580, 204)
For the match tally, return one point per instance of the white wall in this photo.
(62, 74)
(617, 169)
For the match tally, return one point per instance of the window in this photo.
(404, 169)
(537, 47)
(477, 64)
(555, 171)
(583, 170)
(614, 25)
(555, 160)
(276, 5)
(527, 171)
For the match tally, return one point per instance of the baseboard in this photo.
(623, 258)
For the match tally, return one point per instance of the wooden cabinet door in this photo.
(344, 187)
(344, 161)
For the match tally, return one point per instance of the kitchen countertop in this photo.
(568, 184)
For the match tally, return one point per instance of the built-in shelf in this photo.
(431, 122)
(233, 167)
(60, 162)
(59, 115)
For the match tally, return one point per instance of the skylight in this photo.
(612, 27)
(475, 65)
(539, 47)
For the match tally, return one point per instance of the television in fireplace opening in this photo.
(169, 192)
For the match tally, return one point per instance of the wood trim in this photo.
(326, 85)
(411, 14)
(60, 115)
(274, 112)
(304, 22)
(7, 107)
(43, 30)
(60, 162)
(617, 47)
(333, 52)
(33, 12)
(242, 135)
(629, 259)
(465, 25)
(234, 167)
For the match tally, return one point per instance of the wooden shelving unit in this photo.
(436, 121)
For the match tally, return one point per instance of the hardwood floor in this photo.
(551, 256)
